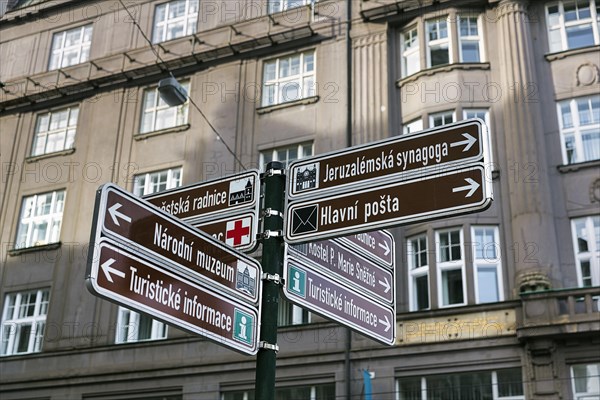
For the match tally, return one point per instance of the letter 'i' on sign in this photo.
(297, 281)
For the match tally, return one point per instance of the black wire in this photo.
(188, 96)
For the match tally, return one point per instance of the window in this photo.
(418, 264)
(413, 126)
(440, 119)
(486, 264)
(579, 121)
(282, 5)
(135, 327)
(585, 381)
(23, 322)
(411, 57)
(70, 47)
(157, 115)
(571, 24)
(286, 154)
(175, 19)
(158, 181)
(476, 385)
(438, 43)
(40, 220)
(469, 39)
(586, 242)
(290, 314)
(451, 268)
(315, 392)
(55, 131)
(289, 78)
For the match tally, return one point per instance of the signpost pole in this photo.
(272, 262)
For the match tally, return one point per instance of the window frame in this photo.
(487, 263)
(275, 153)
(439, 42)
(576, 130)
(406, 52)
(130, 332)
(70, 131)
(186, 18)
(285, 5)
(415, 272)
(592, 254)
(469, 38)
(171, 183)
(279, 83)
(40, 313)
(407, 128)
(79, 47)
(51, 218)
(441, 113)
(562, 25)
(452, 265)
(583, 395)
(159, 106)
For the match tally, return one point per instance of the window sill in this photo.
(304, 101)
(442, 68)
(179, 128)
(565, 168)
(43, 247)
(566, 53)
(67, 152)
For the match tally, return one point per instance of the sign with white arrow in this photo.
(431, 197)
(328, 297)
(189, 252)
(399, 158)
(334, 259)
(376, 245)
(146, 286)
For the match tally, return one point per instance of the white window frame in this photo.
(144, 184)
(486, 262)
(81, 47)
(439, 42)
(587, 395)
(561, 25)
(274, 153)
(592, 255)
(450, 266)
(12, 324)
(275, 6)
(576, 131)
(413, 126)
(189, 20)
(28, 223)
(128, 324)
(417, 271)
(273, 92)
(159, 107)
(442, 114)
(44, 130)
(407, 52)
(470, 38)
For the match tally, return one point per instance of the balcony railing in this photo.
(557, 312)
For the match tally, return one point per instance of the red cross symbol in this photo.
(238, 232)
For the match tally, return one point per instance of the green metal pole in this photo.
(272, 264)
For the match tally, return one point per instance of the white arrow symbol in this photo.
(385, 284)
(469, 142)
(385, 323)
(386, 247)
(471, 187)
(107, 269)
(114, 214)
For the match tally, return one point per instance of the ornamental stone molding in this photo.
(587, 74)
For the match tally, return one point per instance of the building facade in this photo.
(502, 304)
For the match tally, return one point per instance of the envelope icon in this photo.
(305, 219)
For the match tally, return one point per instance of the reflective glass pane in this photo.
(487, 283)
(470, 51)
(580, 36)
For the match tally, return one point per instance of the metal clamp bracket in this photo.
(271, 277)
(268, 212)
(264, 345)
(272, 172)
(269, 234)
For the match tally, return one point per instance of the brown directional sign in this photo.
(377, 245)
(189, 252)
(143, 285)
(211, 198)
(333, 259)
(398, 158)
(326, 296)
(238, 231)
(436, 196)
